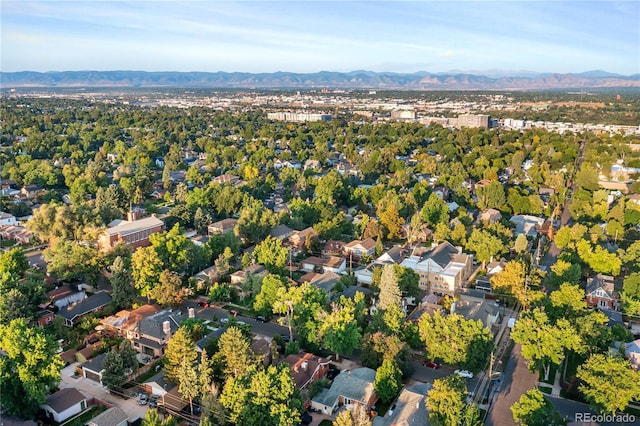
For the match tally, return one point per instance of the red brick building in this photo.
(134, 233)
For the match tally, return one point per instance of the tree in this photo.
(544, 343)
(389, 289)
(485, 245)
(339, 330)
(30, 368)
(608, 383)
(265, 397)
(254, 222)
(152, 418)
(533, 409)
(446, 401)
(13, 261)
(114, 374)
(388, 380)
(188, 384)
(122, 290)
(491, 196)
(146, 268)
(265, 300)
(180, 347)
(599, 258)
(456, 340)
(19, 298)
(356, 416)
(512, 280)
(521, 244)
(391, 220)
(235, 352)
(69, 259)
(169, 291)
(435, 211)
(272, 254)
(631, 286)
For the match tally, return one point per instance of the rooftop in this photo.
(126, 228)
(64, 399)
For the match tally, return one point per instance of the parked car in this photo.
(224, 320)
(204, 304)
(306, 419)
(233, 312)
(430, 364)
(261, 318)
(153, 401)
(93, 340)
(464, 373)
(285, 337)
(143, 399)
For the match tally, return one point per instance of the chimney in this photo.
(304, 365)
(166, 327)
(192, 313)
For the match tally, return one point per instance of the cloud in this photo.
(446, 54)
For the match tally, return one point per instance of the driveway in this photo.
(92, 389)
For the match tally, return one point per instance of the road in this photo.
(516, 380)
(571, 410)
(36, 258)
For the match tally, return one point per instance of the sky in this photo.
(311, 36)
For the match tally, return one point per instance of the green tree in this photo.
(272, 254)
(29, 370)
(265, 300)
(491, 196)
(435, 211)
(152, 418)
(69, 259)
(389, 289)
(13, 261)
(533, 409)
(388, 380)
(180, 347)
(235, 352)
(146, 268)
(521, 244)
(122, 290)
(456, 340)
(485, 245)
(608, 383)
(356, 416)
(188, 381)
(169, 291)
(446, 401)
(114, 374)
(339, 330)
(512, 280)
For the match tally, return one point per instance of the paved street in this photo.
(516, 380)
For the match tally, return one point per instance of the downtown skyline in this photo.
(307, 37)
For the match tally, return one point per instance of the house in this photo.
(93, 369)
(326, 264)
(64, 404)
(7, 219)
(632, 352)
(311, 164)
(360, 248)
(306, 367)
(206, 277)
(66, 295)
(114, 416)
(348, 388)
(240, 277)
(527, 225)
(222, 227)
(350, 293)
(408, 409)
(601, 292)
(489, 215)
(45, 317)
(157, 385)
(261, 347)
(484, 282)
(443, 269)
(226, 178)
(281, 232)
(31, 191)
(152, 333)
(73, 314)
(124, 323)
(394, 255)
(298, 239)
(134, 233)
(326, 281)
(333, 248)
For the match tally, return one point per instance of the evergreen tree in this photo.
(389, 290)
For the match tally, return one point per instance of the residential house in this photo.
(206, 277)
(157, 385)
(227, 179)
(443, 269)
(94, 369)
(45, 317)
(15, 232)
(306, 367)
(527, 225)
(153, 332)
(409, 408)
(632, 352)
(349, 388)
(222, 226)
(125, 323)
(311, 164)
(602, 292)
(73, 314)
(7, 219)
(334, 264)
(240, 277)
(495, 267)
(64, 404)
(360, 248)
(281, 232)
(325, 281)
(114, 416)
(31, 191)
(298, 239)
(261, 347)
(489, 215)
(350, 293)
(134, 233)
(333, 248)
(65, 295)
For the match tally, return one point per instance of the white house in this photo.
(114, 416)
(7, 219)
(64, 404)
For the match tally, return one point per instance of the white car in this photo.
(464, 373)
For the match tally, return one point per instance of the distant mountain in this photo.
(360, 79)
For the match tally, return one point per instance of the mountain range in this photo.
(494, 80)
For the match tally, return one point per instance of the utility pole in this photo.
(491, 366)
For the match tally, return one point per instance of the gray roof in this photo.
(89, 304)
(216, 334)
(152, 326)
(356, 385)
(112, 417)
(95, 364)
(443, 254)
(280, 231)
(64, 399)
(326, 281)
(350, 292)
(410, 409)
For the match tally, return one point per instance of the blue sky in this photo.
(310, 36)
